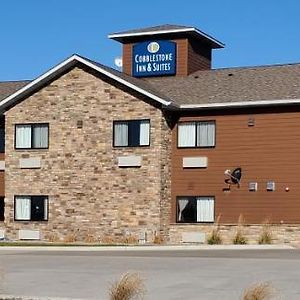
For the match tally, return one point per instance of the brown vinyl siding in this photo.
(181, 57)
(199, 57)
(127, 59)
(267, 151)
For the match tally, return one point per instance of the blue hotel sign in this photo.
(154, 58)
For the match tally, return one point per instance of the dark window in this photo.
(2, 208)
(134, 133)
(31, 208)
(196, 134)
(31, 136)
(195, 209)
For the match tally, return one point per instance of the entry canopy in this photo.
(165, 32)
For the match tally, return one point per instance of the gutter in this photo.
(245, 104)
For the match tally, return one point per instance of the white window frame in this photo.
(205, 202)
(196, 138)
(126, 140)
(22, 207)
(31, 129)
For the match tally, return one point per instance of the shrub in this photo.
(239, 238)
(70, 238)
(265, 237)
(266, 234)
(215, 237)
(52, 238)
(260, 291)
(158, 239)
(90, 238)
(130, 286)
(108, 240)
(130, 240)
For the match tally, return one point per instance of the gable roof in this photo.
(139, 86)
(166, 29)
(9, 87)
(220, 88)
(248, 86)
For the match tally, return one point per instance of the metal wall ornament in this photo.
(233, 177)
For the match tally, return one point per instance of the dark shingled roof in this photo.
(217, 86)
(154, 29)
(173, 31)
(9, 87)
(276, 82)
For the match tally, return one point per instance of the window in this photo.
(131, 133)
(31, 208)
(195, 209)
(1, 208)
(196, 134)
(31, 136)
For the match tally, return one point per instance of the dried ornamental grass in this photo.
(158, 239)
(259, 291)
(130, 240)
(215, 236)
(239, 238)
(130, 286)
(53, 238)
(70, 238)
(266, 234)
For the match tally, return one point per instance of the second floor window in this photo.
(133, 133)
(196, 134)
(32, 136)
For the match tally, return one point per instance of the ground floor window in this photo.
(31, 208)
(195, 209)
(1, 208)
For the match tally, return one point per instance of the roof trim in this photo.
(240, 104)
(188, 29)
(44, 78)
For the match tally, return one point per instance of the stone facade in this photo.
(89, 195)
(285, 233)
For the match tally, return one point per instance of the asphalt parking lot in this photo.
(197, 274)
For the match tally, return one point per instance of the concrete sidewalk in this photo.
(18, 297)
(149, 248)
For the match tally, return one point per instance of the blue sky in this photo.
(35, 34)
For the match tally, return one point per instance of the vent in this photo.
(270, 186)
(252, 186)
(251, 121)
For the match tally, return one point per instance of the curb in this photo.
(148, 248)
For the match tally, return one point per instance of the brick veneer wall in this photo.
(89, 195)
(285, 233)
